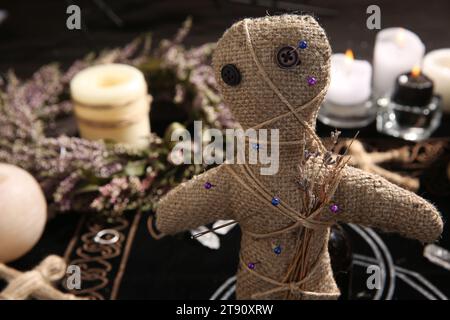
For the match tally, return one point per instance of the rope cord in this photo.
(275, 89)
(257, 188)
(293, 287)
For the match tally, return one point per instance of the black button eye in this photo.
(230, 75)
(287, 57)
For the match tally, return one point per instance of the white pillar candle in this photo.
(436, 65)
(350, 80)
(397, 51)
(349, 92)
(111, 102)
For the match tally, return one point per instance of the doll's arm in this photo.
(199, 201)
(371, 200)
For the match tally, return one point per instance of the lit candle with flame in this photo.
(349, 60)
(347, 101)
(412, 112)
(349, 57)
(400, 37)
(413, 88)
(397, 50)
(415, 72)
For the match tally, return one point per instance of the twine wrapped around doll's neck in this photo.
(292, 111)
(255, 185)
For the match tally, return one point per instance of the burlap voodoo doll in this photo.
(273, 72)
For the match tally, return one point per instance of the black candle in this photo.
(413, 89)
(412, 112)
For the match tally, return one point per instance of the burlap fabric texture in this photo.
(284, 252)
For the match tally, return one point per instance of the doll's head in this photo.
(290, 52)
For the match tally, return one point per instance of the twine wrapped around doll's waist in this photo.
(292, 287)
(307, 223)
(256, 188)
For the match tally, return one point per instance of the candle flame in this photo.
(400, 37)
(415, 72)
(349, 55)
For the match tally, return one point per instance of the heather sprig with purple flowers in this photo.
(78, 174)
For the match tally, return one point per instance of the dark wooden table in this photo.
(35, 33)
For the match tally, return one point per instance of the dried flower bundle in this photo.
(319, 175)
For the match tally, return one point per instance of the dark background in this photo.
(35, 32)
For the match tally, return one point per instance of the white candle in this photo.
(436, 65)
(347, 103)
(350, 80)
(397, 50)
(111, 102)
